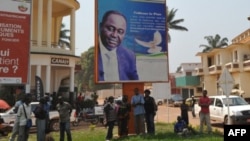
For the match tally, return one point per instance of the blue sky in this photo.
(228, 18)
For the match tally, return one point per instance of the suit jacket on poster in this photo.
(126, 65)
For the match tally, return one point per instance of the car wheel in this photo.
(226, 120)
(160, 103)
(95, 121)
(54, 125)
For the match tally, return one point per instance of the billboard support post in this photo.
(128, 89)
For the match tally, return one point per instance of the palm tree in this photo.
(174, 24)
(64, 38)
(214, 42)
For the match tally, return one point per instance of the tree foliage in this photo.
(214, 42)
(64, 38)
(86, 76)
(173, 23)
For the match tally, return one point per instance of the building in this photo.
(51, 60)
(186, 82)
(235, 57)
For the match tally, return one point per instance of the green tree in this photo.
(173, 23)
(64, 38)
(87, 74)
(214, 42)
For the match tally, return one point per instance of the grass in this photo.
(164, 132)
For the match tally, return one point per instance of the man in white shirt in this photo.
(24, 113)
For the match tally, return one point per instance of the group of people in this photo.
(181, 126)
(41, 112)
(144, 108)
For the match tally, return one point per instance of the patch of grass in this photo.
(164, 132)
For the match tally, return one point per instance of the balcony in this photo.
(199, 71)
(52, 48)
(215, 69)
(246, 65)
(232, 66)
(186, 81)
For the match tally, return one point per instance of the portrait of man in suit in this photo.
(115, 62)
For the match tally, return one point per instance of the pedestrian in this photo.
(15, 128)
(123, 116)
(204, 103)
(110, 114)
(184, 111)
(193, 101)
(23, 114)
(47, 106)
(150, 112)
(64, 109)
(137, 102)
(40, 113)
(180, 127)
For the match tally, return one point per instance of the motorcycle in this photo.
(86, 116)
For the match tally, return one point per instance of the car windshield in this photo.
(235, 101)
(177, 97)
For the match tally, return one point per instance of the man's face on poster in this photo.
(113, 31)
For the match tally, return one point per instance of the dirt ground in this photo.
(169, 115)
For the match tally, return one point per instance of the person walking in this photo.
(64, 109)
(193, 101)
(204, 103)
(184, 111)
(150, 111)
(41, 113)
(137, 102)
(110, 114)
(123, 116)
(23, 114)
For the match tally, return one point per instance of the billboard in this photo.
(131, 41)
(14, 41)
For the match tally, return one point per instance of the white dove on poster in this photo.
(152, 45)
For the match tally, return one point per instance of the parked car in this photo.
(10, 116)
(5, 129)
(189, 102)
(175, 100)
(239, 109)
(159, 101)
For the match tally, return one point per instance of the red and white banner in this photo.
(14, 40)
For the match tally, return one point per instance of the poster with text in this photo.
(131, 41)
(14, 41)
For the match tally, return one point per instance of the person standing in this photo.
(192, 106)
(115, 62)
(137, 102)
(64, 109)
(41, 113)
(24, 113)
(47, 106)
(15, 128)
(204, 103)
(123, 116)
(150, 111)
(184, 111)
(110, 115)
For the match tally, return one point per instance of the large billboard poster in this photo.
(14, 41)
(131, 41)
